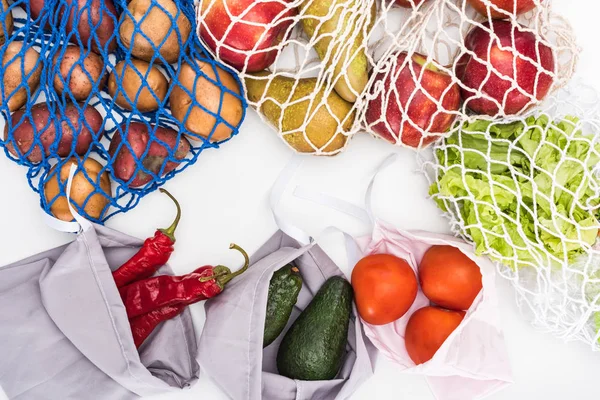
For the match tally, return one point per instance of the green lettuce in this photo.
(520, 188)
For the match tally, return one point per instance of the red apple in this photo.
(502, 72)
(410, 103)
(408, 4)
(511, 7)
(249, 44)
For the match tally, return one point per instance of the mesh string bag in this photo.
(127, 94)
(526, 191)
(514, 142)
(321, 71)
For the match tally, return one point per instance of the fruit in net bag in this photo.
(511, 69)
(199, 112)
(449, 278)
(250, 43)
(306, 125)
(385, 287)
(427, 329)
(351, 69)
(160, 24)
(499, 9)
(416, 101)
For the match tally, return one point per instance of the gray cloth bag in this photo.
(64, 332)
(232, 338)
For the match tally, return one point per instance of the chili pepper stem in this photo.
(225, 275)
(170, 231)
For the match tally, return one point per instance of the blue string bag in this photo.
(89, 69)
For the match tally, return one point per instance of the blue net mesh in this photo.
(125, 91)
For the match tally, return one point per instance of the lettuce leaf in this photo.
(524, 192)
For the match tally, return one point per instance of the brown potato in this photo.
(94, 206)
(136, 77)
(13, 74)
(81, 81)
(8, 23)
(200, 122)
(156, 25)
(45, 129)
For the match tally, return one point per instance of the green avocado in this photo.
(314, 346)
(284, 288)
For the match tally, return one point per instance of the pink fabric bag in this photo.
(473, 362)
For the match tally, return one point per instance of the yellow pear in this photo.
(307, 126)
(351, 70)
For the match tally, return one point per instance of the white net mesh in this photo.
(320, 71)
(516, 170)
(526, 191)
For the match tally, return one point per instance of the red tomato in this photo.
(449, 278)
(385, 287)
(427, 329)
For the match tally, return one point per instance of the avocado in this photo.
(284, 288)
(314, 346)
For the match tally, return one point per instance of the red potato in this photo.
(41, 126)
(89, 16)
(80, 71)
(88, 13)
(124, 163)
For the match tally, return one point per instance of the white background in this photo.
(225, 199)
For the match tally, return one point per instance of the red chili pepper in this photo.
(142, 297)
(142, 326)
(155, 253)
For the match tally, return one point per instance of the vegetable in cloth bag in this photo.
(472, 362)
(232, 339)
(66, 333)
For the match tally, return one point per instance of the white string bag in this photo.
(545, 240)
(361, 40)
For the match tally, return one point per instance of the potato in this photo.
(137, 77)
(200, 122)
(94, 205)
(80, 80)
(156, 25)
(124, 164)
(8, 22)
(43, 128)
(87, 25)
(15, 62)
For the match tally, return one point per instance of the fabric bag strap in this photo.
(80, 224)
(364, 215)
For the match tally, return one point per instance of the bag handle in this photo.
(80, 224)
(364, 215)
